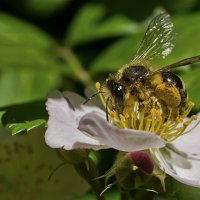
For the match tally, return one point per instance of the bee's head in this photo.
(117, 92)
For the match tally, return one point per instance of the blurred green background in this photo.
(68, 45)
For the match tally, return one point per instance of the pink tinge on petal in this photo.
(122, 139)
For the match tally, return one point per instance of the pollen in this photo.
(151, 116)
(98, 86)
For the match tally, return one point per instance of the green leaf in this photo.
(20, 113)
(29, 68)
(26, 126)
(89, 25)
(116, 55)
(39, 8)
(25, 85)
(180, 5)
(185, 192)
(191, 79)
(24, 117)
(16, 32)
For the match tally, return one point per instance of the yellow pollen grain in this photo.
(194, 117)
(122, 117)
(179, 120)
(126, 115)
(187, 123)
(164, 126)
(122, 120)
(112, 114)
(98, 86)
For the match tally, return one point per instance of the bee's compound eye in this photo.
(110, 85)
(119, 96)
(117, 90)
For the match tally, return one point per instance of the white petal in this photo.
(182, 158)
(76, 99)
(121, 139)
(62, 129)
(80, 108)
(58, 106)
(189, 142)
(179, 165)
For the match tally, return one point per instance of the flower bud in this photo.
(143, 161)
(134, 169)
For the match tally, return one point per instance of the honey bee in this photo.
(138, 81)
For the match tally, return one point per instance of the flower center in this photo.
(149, 116)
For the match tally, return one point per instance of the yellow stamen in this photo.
(149, 116)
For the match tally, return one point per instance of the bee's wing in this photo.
(159, 39)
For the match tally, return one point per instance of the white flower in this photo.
(73, 125)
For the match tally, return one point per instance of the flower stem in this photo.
(89, 172)
(74, 64)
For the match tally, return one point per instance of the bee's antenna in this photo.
(88, 99)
